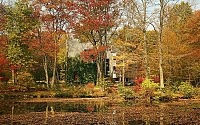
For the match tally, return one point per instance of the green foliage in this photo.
(71, 92)
(20, 23)
(149, 85)
(14, 53)
(105, 84)
(149, 89)
(186, 89)
(25, 78)
(81, 72)
(165, 95)
(80, 91)
(197, 92)
(125, 92)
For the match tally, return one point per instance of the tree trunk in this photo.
(99, 74)
(147, 69)
(66, 60)
(123, 72)
(13, 76)
(55, 63)
(46, 71)
(160, 43)
(54, 71)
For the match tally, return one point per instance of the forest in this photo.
(156, 43)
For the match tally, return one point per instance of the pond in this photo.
(14, 112)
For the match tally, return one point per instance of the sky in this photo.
(194, 3)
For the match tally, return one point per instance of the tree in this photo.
(192, 38)
(80, 71)
(91, 55)
(175, 48)
(129, 50)
(177, 16)
(3, 38)
(136, 13)
(192, 28)
(20, 22)
(2, 17)
(54, 16)
(43, 49)
(94, 23)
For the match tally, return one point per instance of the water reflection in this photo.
(22, 107)
(12, 114)
(95, 113)
(46, 115)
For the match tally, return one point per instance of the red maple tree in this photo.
(91, 55)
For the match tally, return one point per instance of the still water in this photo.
(97, 113)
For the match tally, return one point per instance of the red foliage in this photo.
(90, 85)
(4, 79)
(3, 41)
(138, 86)
(156, 79)
(43, 44)
(3, 62)
(90, 108)
(90, 55)
(14, 67)
(93, 16)
(139, 80)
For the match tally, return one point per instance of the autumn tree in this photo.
(3, 37)
(20, 22)
(54, 18)
(43, 49)
(137, 14)
(192, 31)
(94, 23)
(174, 45)
(2, 17)
(129, 51)
(192, 38)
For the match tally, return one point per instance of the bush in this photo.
(186, 89)
(149, 85)
(126, 92)
(63, 95)
(197, 93)
(167, 95)
(149, 88)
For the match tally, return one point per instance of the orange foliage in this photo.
(44, 44)
(3, 62)
(90, 55)
(193, 34)
(192, 27)
(90, 85)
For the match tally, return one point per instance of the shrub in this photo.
(186, 89)
(167, 95)
(149, 85)
(63, 95)
(197, 92)
(126, 92)
(149, 88)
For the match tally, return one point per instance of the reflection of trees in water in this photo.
(161, 114)
(102, 113)
(46, 115)
(12, 114)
